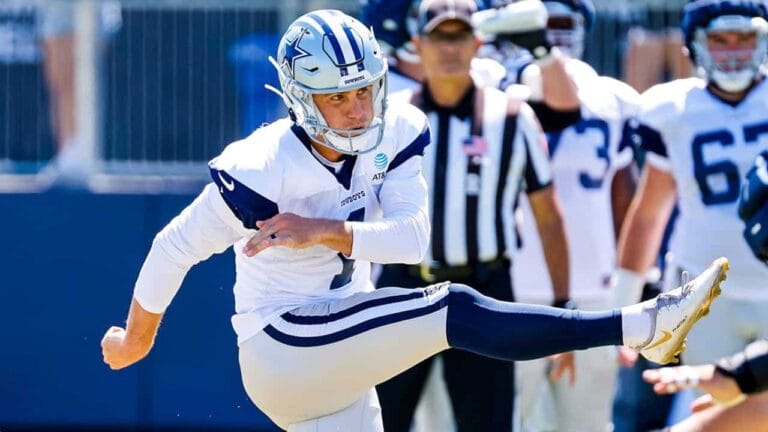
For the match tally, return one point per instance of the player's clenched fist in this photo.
(117, 352)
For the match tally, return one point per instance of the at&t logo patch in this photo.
(380, 161)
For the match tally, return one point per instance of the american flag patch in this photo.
(475, 146)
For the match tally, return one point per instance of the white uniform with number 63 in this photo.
(708, 145)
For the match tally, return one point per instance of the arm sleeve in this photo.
(537, 172)
(749, 368)
(402, 236)
(205, 227)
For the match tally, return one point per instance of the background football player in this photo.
(701, 136)
(593, 177)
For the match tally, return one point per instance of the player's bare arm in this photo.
(750, 415)
(122, 347)
(647, 217)
(640, 238)
(622, 189)
(549, 222)
(558, 89)
(296, 232)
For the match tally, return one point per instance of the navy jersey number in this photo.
(725, 169)
(586, 179)
(347, 265)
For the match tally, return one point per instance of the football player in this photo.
(308, 202)
(701, 136)
(592, 174)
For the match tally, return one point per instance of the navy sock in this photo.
(517, 331)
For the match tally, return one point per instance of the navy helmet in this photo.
(753, 207)
(393, 23)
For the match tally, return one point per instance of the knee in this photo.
(452, 293)
(460, 294)
(464, 302)
(461, 300)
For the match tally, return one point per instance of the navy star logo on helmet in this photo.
(294, 52)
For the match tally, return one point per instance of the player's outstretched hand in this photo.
(289, 230)
(119, 353)
(721, 389)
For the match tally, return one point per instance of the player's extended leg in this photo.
(519, 331)
(320, 359)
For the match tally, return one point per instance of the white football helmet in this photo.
(568, 24)
(732, 71)
(326, 52)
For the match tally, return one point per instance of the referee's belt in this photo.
(478, 270)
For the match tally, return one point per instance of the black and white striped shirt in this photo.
(484, 152)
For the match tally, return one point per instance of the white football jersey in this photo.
(708, 146)
(274, 170)
(584, 158)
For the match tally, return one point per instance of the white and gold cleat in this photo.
(676, 312)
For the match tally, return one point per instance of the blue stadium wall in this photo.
(69, 261)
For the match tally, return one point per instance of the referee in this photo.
(486, 149)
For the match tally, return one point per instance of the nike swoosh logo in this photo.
(311, 70)
(665, 336)
(229, 185)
